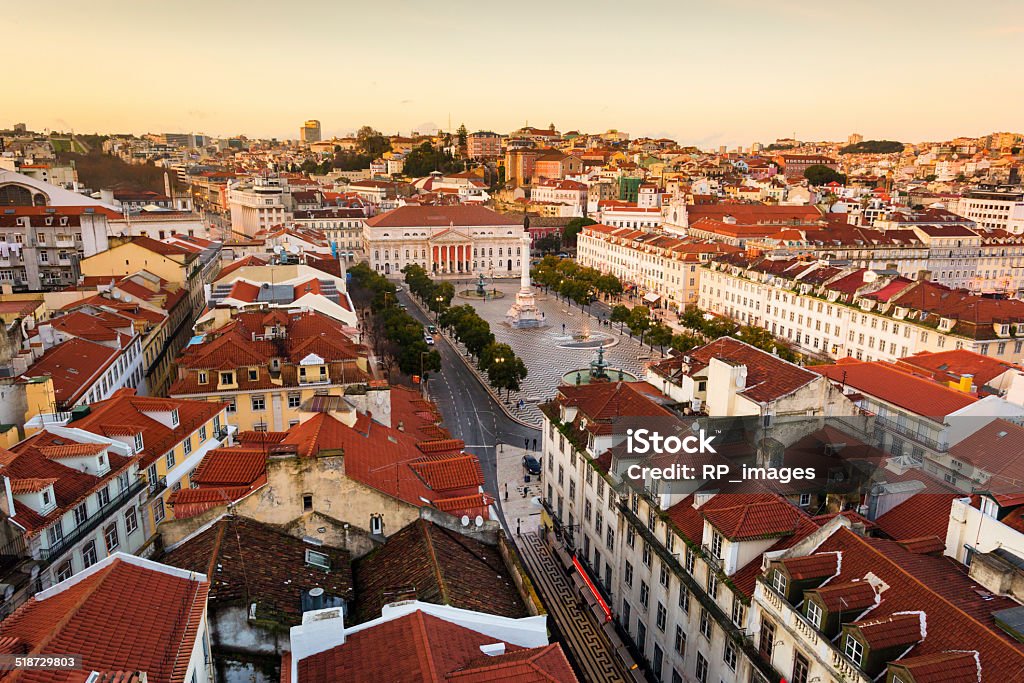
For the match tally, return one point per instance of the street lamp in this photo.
(437, 310)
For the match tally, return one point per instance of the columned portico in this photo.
(450, 258)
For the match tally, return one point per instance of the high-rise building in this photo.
(854, 139)
(310, 131)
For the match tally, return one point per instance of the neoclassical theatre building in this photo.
(444, 239)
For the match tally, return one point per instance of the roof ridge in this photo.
(426, 652)
(438, 574)
(215, 551)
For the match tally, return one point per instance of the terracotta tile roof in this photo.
(536, 665)
(924, 544)
(74, 366)
(161, 248)
(896, 629)
(249, 561)
(847, 596)
(998, 450)
(953, 666)
(745, 517)
(433, 564)
(451, 473)
(417, 647)
(817, 566)
(886, 382)
(87, 615)
(29, 485)
(441, 216)
(769, 378)
(958, 610)
(951, 365)
(923, 514)
(72, 450)
(226, 467)
(189, 502)
(125, 409)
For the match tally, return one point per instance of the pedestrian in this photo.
(526, 444)
(518, 527)
(534, 444)
(506, 492)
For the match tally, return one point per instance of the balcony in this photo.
(102, 515)
(805, 633)
(911, 433)
(158, 486)
(712, 559)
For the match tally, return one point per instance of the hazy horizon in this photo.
(733, 73)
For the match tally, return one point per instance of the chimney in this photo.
(319, 631)
(924, 275)
(966, 382)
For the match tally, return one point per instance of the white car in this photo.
(430, 340)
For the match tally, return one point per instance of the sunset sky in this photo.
(706, 73)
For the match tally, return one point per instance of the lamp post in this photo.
(499, 360)
(437, 310)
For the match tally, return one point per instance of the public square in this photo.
(541, 349)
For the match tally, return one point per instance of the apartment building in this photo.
(838, 312)
(41, 247)
(265, 364)
(668, 268)
(994, 209)
(483, 145)
(343, 227)
(677, 569)
(258, 205)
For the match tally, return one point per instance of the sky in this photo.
(726, 72)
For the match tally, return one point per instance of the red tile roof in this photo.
(998, 450)
(422, 647)
(230, 467)
(895, 629)
(745, 517)
(923, 514)
(769, 378)
(884, 381)
(460, 215)
(87, 615)
(74, 366)
(952, 365)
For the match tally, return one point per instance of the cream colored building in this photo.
(444, 239)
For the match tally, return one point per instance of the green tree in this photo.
(462, 135)
(639, 320)
(820, 174)
(549, 244)
(659, 335)
(506, 371)
(608, 284)
(685, 341)
(372, 142)
(425, 159)
(573, 228)
(619, 314)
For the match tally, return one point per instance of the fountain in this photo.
(598, 371)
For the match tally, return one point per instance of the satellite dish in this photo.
(479, 521)
(465, 520)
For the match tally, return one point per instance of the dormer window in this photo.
(253, 374)
(203, 378)
(138, 447)
(779, 582)
(174, 417)
(854, 649)
(227, 378)
(814, 614)
(716, 544)
(47, 498)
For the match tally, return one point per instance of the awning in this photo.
(652, 297)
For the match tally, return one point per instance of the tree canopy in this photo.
(873, 147)
(425, 159)
(820, 174)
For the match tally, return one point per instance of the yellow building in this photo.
(265, 364)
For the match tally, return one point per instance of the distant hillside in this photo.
(873, 147)
(100, 171)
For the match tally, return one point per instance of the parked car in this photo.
(531, 464)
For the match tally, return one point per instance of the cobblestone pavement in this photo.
(545, 360)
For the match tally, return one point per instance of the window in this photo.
(55, 533)
(641, 637)
(663, 575)
(645, 594)
(103, 496)
(110, 537)
(64, 571)
(171, 460)
(691, 558)
(657, 661)
(625, 615)
(814, 614)
(729, 655)
(131, 520)
(258, 403)
(203, 378)
(684, 599)
(805, 499)
(307, 502)
(716, 544)
(610, 538)
(801, 669)
(232, 406)
(779, 581)
(680, 641)
(89, 554)
(854, 650)
(766, 642)
(662, 614)
(187, 444)
(705, 623)
(739, 611)
(647, 554)
(712, 584)
(702, 669)
(158, 510)
(138, 442)
(598, 521)
(317, 559)
(202, 434)
(630, 536)
(294, 400)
